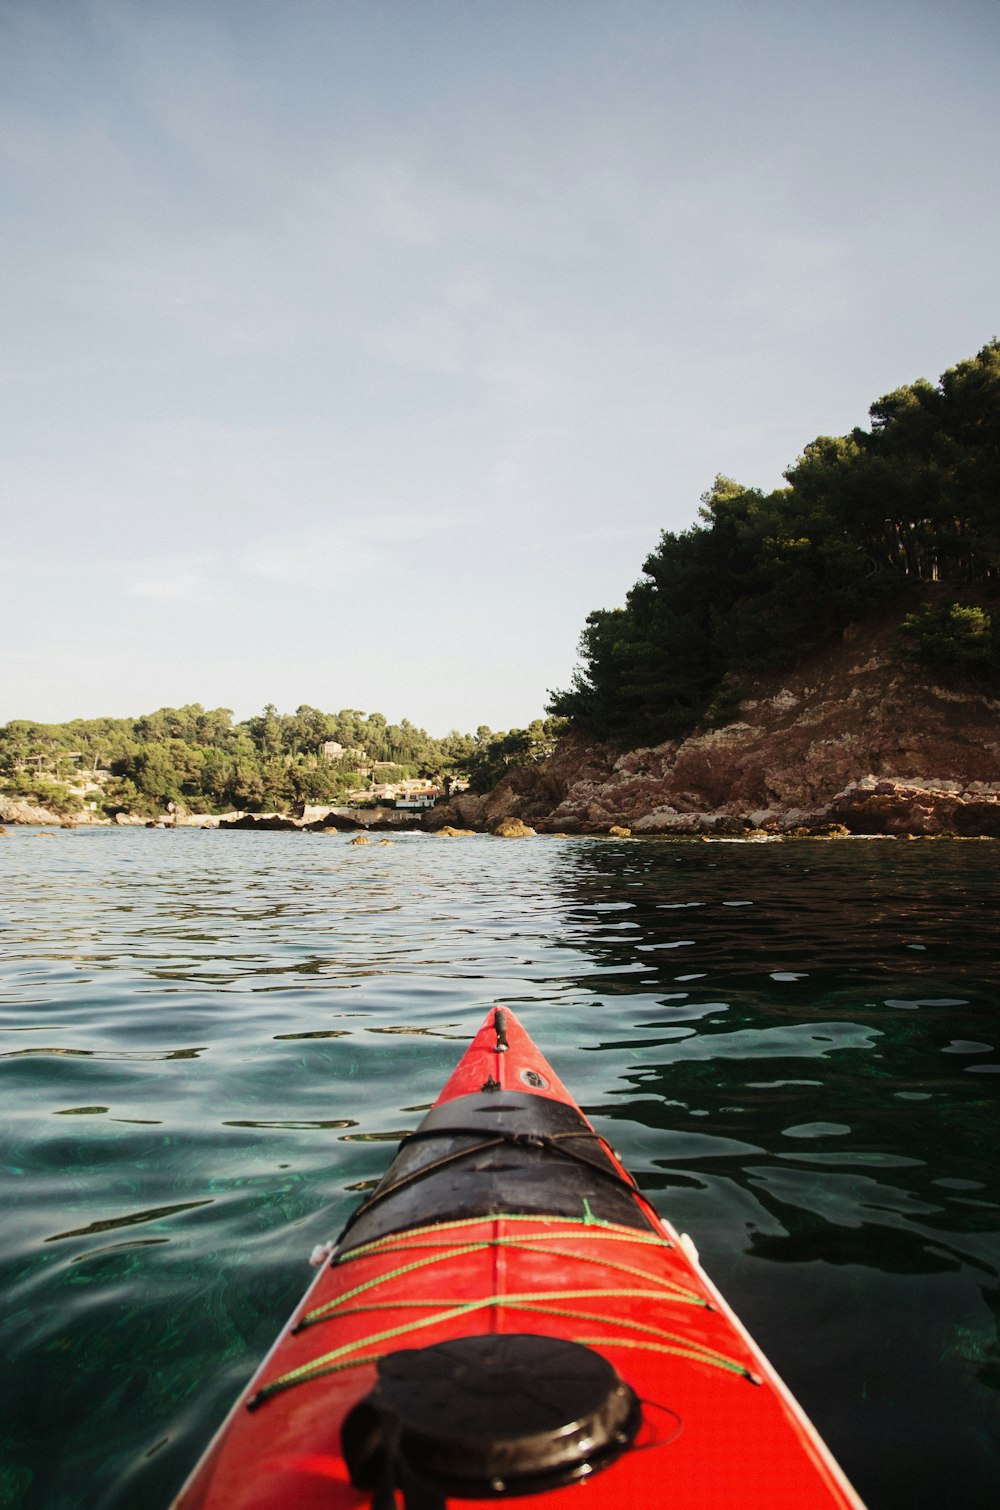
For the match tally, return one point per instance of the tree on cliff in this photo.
(496, 753)
(761, 578)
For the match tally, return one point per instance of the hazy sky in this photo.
(353, 350)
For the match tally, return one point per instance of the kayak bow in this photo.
(507, 1317)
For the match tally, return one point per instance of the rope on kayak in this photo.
(551, 1142)
(672, 1289)
(608, 1231)
(536, 1302)
(419, 1238)
(668, 1342)
(655, 1347)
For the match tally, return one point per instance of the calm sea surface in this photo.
(210, 1041)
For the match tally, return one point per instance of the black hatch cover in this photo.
(487, 1416)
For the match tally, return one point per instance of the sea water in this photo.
(210, 1042)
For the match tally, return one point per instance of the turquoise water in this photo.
(210, 1041)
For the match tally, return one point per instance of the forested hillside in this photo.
(201, 758)
(906, 512)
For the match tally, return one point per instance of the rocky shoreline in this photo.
(869, 808)
(856, 742)
(19, 810)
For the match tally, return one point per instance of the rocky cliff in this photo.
(21, 810)
(856, 737)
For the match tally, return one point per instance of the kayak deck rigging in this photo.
(538, 1302)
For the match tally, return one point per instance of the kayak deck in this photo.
(580, 1257)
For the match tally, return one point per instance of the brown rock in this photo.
(23, 810)
(463, 812)
(512, 828)
(263, 821)
(855, 737)
(528, 792)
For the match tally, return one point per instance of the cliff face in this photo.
(21, 810)
(855, 736)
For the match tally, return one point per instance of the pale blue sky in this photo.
(353, 350)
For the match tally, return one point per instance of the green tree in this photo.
(266, 732)
(954, 637)
(197, 756)
(494, 756)
(761, 578)
(313, 782)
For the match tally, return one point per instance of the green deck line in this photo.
(671, 1289)
(612, 1231)
(681, 1346)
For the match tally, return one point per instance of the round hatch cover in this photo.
(494, 1415)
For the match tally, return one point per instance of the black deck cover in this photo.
(493, 1153)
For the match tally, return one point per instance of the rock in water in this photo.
(512, 828)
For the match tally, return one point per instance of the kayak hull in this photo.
(506, 1217)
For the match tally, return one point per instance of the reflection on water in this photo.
(793, 1046)
(132, 1220)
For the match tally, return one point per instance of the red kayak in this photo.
(507, 1317)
